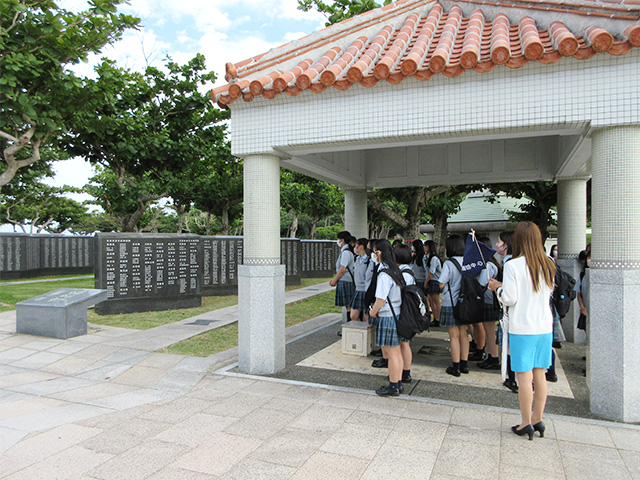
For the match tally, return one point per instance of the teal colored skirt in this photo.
(530, 351)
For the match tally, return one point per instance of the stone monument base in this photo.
(115, 306)
(61, 313)
(358, 338)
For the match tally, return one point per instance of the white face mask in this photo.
(589, 262)
(373, 257)
(339, 243)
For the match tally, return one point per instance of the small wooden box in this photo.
(358, 338)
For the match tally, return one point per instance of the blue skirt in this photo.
(530, 351)
(358, 300)
(344, 293)
(386, 333)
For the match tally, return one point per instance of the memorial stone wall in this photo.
(318, 258)
(148, 272)
(27, 256)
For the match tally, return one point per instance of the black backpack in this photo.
(563, 293)
(414, 315)
(470, 305)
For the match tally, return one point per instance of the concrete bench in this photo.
(61, 313)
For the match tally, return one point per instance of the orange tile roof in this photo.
(420, 38)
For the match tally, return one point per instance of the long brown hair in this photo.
(527, 243)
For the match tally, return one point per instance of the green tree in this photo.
(407, 207)
(542, 196)
(217, 188)
(339, 9)
(151, 129)
(33, 206)
(39, 41)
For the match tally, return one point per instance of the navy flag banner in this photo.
(476, 256)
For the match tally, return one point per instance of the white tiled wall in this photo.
(602, 91)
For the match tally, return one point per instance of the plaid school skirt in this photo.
(344, 293)
(386, 333)
(357, 303)
(446, 317)
(491, 312)
(433, 287)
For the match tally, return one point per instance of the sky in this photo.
(221, 30)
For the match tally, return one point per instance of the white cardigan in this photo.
(529, 312)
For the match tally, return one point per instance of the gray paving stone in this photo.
(529, 472)
(53, 417)
(139, 462)
(24, 377)
(541, 454)
(354, 440)
(398, 462)
(54, 385)
(93, 392)
(23, 404)
(175, 381)
(14, 354)
(123, 437)
(8, 438)
(258, 470)
(383, 405)
(174, 473)
(432, 412)
(477, 417)
(69, 348)
(38, 360)
(632, 461)
(261, 423)
(43, 344)
(176, 411)
(290, 447)
(582, 433)
(134, 398)
(229, 451)
(417, 435)
(468, 460)
(324, 465)
(320, 418)
(196, 430)
(340, 399)
(42, 445)
(387, 422)
(237, 405)
(625, 439)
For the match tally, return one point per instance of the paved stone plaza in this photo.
(105, 406)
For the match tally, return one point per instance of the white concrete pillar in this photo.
(572, 239)
(355, 212)
(614, 300)
(261, 339)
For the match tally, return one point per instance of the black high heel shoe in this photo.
(539, 427)
(527, 430)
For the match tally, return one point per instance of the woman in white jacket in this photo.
(526, 287)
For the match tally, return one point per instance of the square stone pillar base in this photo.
(357, 338)
(261, 322)
(614, 339)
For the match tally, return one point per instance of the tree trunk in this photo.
(314, 224)
(294, 225)
(225, 220)
(440, 233)
(207, 223)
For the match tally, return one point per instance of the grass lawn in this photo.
(224, 338)
(59, 277)
(12, 294)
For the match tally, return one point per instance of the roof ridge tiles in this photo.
(440, 57)
(428, 40)
(383, 15)
(399, 46)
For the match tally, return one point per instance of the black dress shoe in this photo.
(556, 345)
(388, 391)
(339, 333)
(513, 386)
(551, 377)
(464, 369)
(477, 356)
(401, 388)
(376, 353)
(435, 323)
(527, 430)
(539, 427)
(380, 363)
(407, 379)
(453, 371)
(491, 363)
